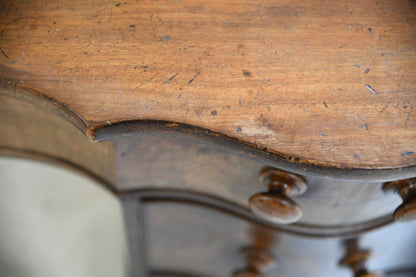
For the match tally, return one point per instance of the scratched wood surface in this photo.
(330, 83)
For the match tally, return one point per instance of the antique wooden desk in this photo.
(235, 133)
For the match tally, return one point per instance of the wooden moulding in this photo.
(248, 150)
(328, 84)
(299, 229)
(114, 131)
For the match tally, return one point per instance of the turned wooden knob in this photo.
(275, 205)
(356, 258)
(356, 261)
(257, 260)
(407, 190)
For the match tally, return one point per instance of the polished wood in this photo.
(330, 84)
(275, 204)
(198, 98)
(407, 190)
(52, 107)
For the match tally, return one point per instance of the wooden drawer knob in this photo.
(275, 204)
(407, 190)
(356, 258)
(257, 262)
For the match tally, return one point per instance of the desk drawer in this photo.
(203, 241)
(160, 162)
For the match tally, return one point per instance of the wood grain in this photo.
(289, 76)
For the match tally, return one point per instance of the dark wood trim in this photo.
(212, 202)
(134, 220)
(260, 154)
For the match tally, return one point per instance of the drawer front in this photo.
(205, 242)
(202, 241)
(161, 162)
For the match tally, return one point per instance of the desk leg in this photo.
(135, 229)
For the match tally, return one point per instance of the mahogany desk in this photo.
(234, 132)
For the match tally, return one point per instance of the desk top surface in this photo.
(328, 83)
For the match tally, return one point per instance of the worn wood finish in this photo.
(149, 162)
(30, 127)
(312, 86)
(221, 142)
(328, 83)
(52, 107)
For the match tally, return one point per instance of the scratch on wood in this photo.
(77, 114)
(196, 75)
(6, 26)
(4, 54)
(326, 106)
(408, 153)
(164, 38)
(246, 73)
(408, 114)
(111, 11)
(171, 78)
(370, 89)
(148, 81)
